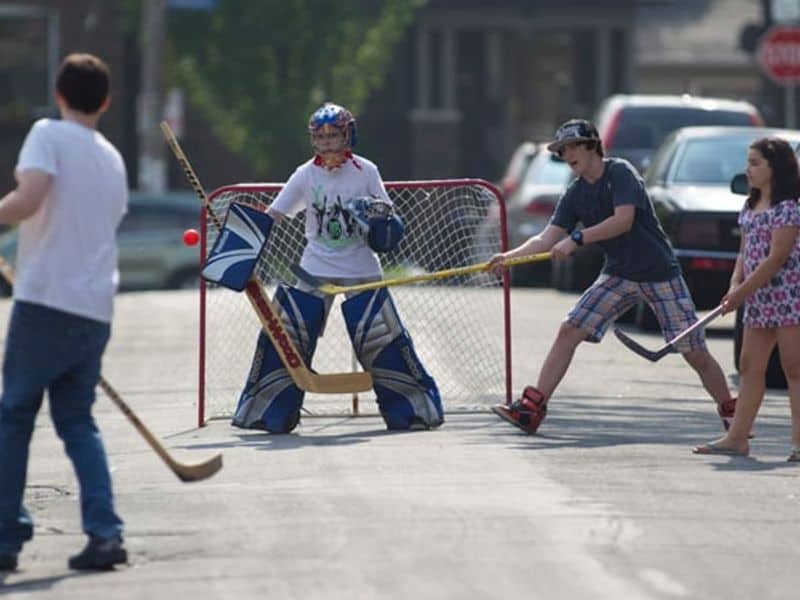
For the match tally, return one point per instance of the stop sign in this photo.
(779, 54)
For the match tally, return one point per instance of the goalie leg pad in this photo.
(407, 395)
(270, 399)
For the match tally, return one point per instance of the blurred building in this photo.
(470, 80)
(479, 77)
(34, 37)
(694, 47)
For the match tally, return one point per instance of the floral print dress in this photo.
(776, 303)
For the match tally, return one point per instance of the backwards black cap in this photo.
(574, 130)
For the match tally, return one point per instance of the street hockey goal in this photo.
(460, 325)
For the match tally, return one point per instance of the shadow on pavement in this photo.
(579, 423)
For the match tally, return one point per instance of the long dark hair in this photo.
(785, 174)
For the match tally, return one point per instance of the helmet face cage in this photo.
(328, 120)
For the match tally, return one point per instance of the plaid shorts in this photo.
(609, 297)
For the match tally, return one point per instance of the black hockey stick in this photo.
(655, 355)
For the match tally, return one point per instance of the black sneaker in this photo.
(100, 554)
(8, 561)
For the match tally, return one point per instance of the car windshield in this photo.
(711, 161)
(647, 127)
(547, 170)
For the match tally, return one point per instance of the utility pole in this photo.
(152, 164)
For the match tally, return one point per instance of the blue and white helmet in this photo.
(335, 116)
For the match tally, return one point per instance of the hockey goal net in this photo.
(460, 325)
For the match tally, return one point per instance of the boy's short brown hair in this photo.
(83, 81)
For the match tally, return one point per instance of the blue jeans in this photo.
(51, 350)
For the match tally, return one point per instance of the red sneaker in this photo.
(527, 413)
(725, 411)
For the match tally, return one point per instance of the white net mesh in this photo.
(458, 324)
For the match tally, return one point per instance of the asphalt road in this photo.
(607, 501)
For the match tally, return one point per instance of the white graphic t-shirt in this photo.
(336, 247)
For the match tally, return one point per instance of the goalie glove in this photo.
(377, 221)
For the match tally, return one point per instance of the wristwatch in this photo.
(577, 237)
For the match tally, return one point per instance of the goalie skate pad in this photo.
(407, 395)
(270, 399)
(238, 246)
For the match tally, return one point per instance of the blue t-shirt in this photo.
(641, 254)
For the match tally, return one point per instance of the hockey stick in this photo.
(193, 472)
(655, 355)
(329, 288)
(329, 383)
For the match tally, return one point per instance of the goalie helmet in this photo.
(377, 221)
(328, 120)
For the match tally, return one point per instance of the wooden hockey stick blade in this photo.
(329, 288)
(655, 355)
(185, 472)
(303, 377)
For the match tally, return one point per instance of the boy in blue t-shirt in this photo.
(608, 197)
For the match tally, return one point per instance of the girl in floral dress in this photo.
(767, 280)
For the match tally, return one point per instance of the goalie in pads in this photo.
(349, 217)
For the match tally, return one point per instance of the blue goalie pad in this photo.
(270, 399)
(238, 246)
(407, 395)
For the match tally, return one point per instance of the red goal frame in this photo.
(273, 188)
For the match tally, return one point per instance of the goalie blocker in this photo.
(238, 246)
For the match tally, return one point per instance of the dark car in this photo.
(633, 126)
(152, 254)
(689, 182)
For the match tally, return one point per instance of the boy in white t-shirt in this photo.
(71, 195)
(329, 187)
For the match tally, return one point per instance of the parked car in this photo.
(529, 208)
(516, 167)
(633, 127)
(689, 182)
(152, 254)
(530, 205)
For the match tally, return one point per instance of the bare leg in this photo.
(710, 373)
(756, 348)
(559, 357)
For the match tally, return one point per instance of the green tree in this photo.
(256, 70)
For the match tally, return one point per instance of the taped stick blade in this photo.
(632, 344)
